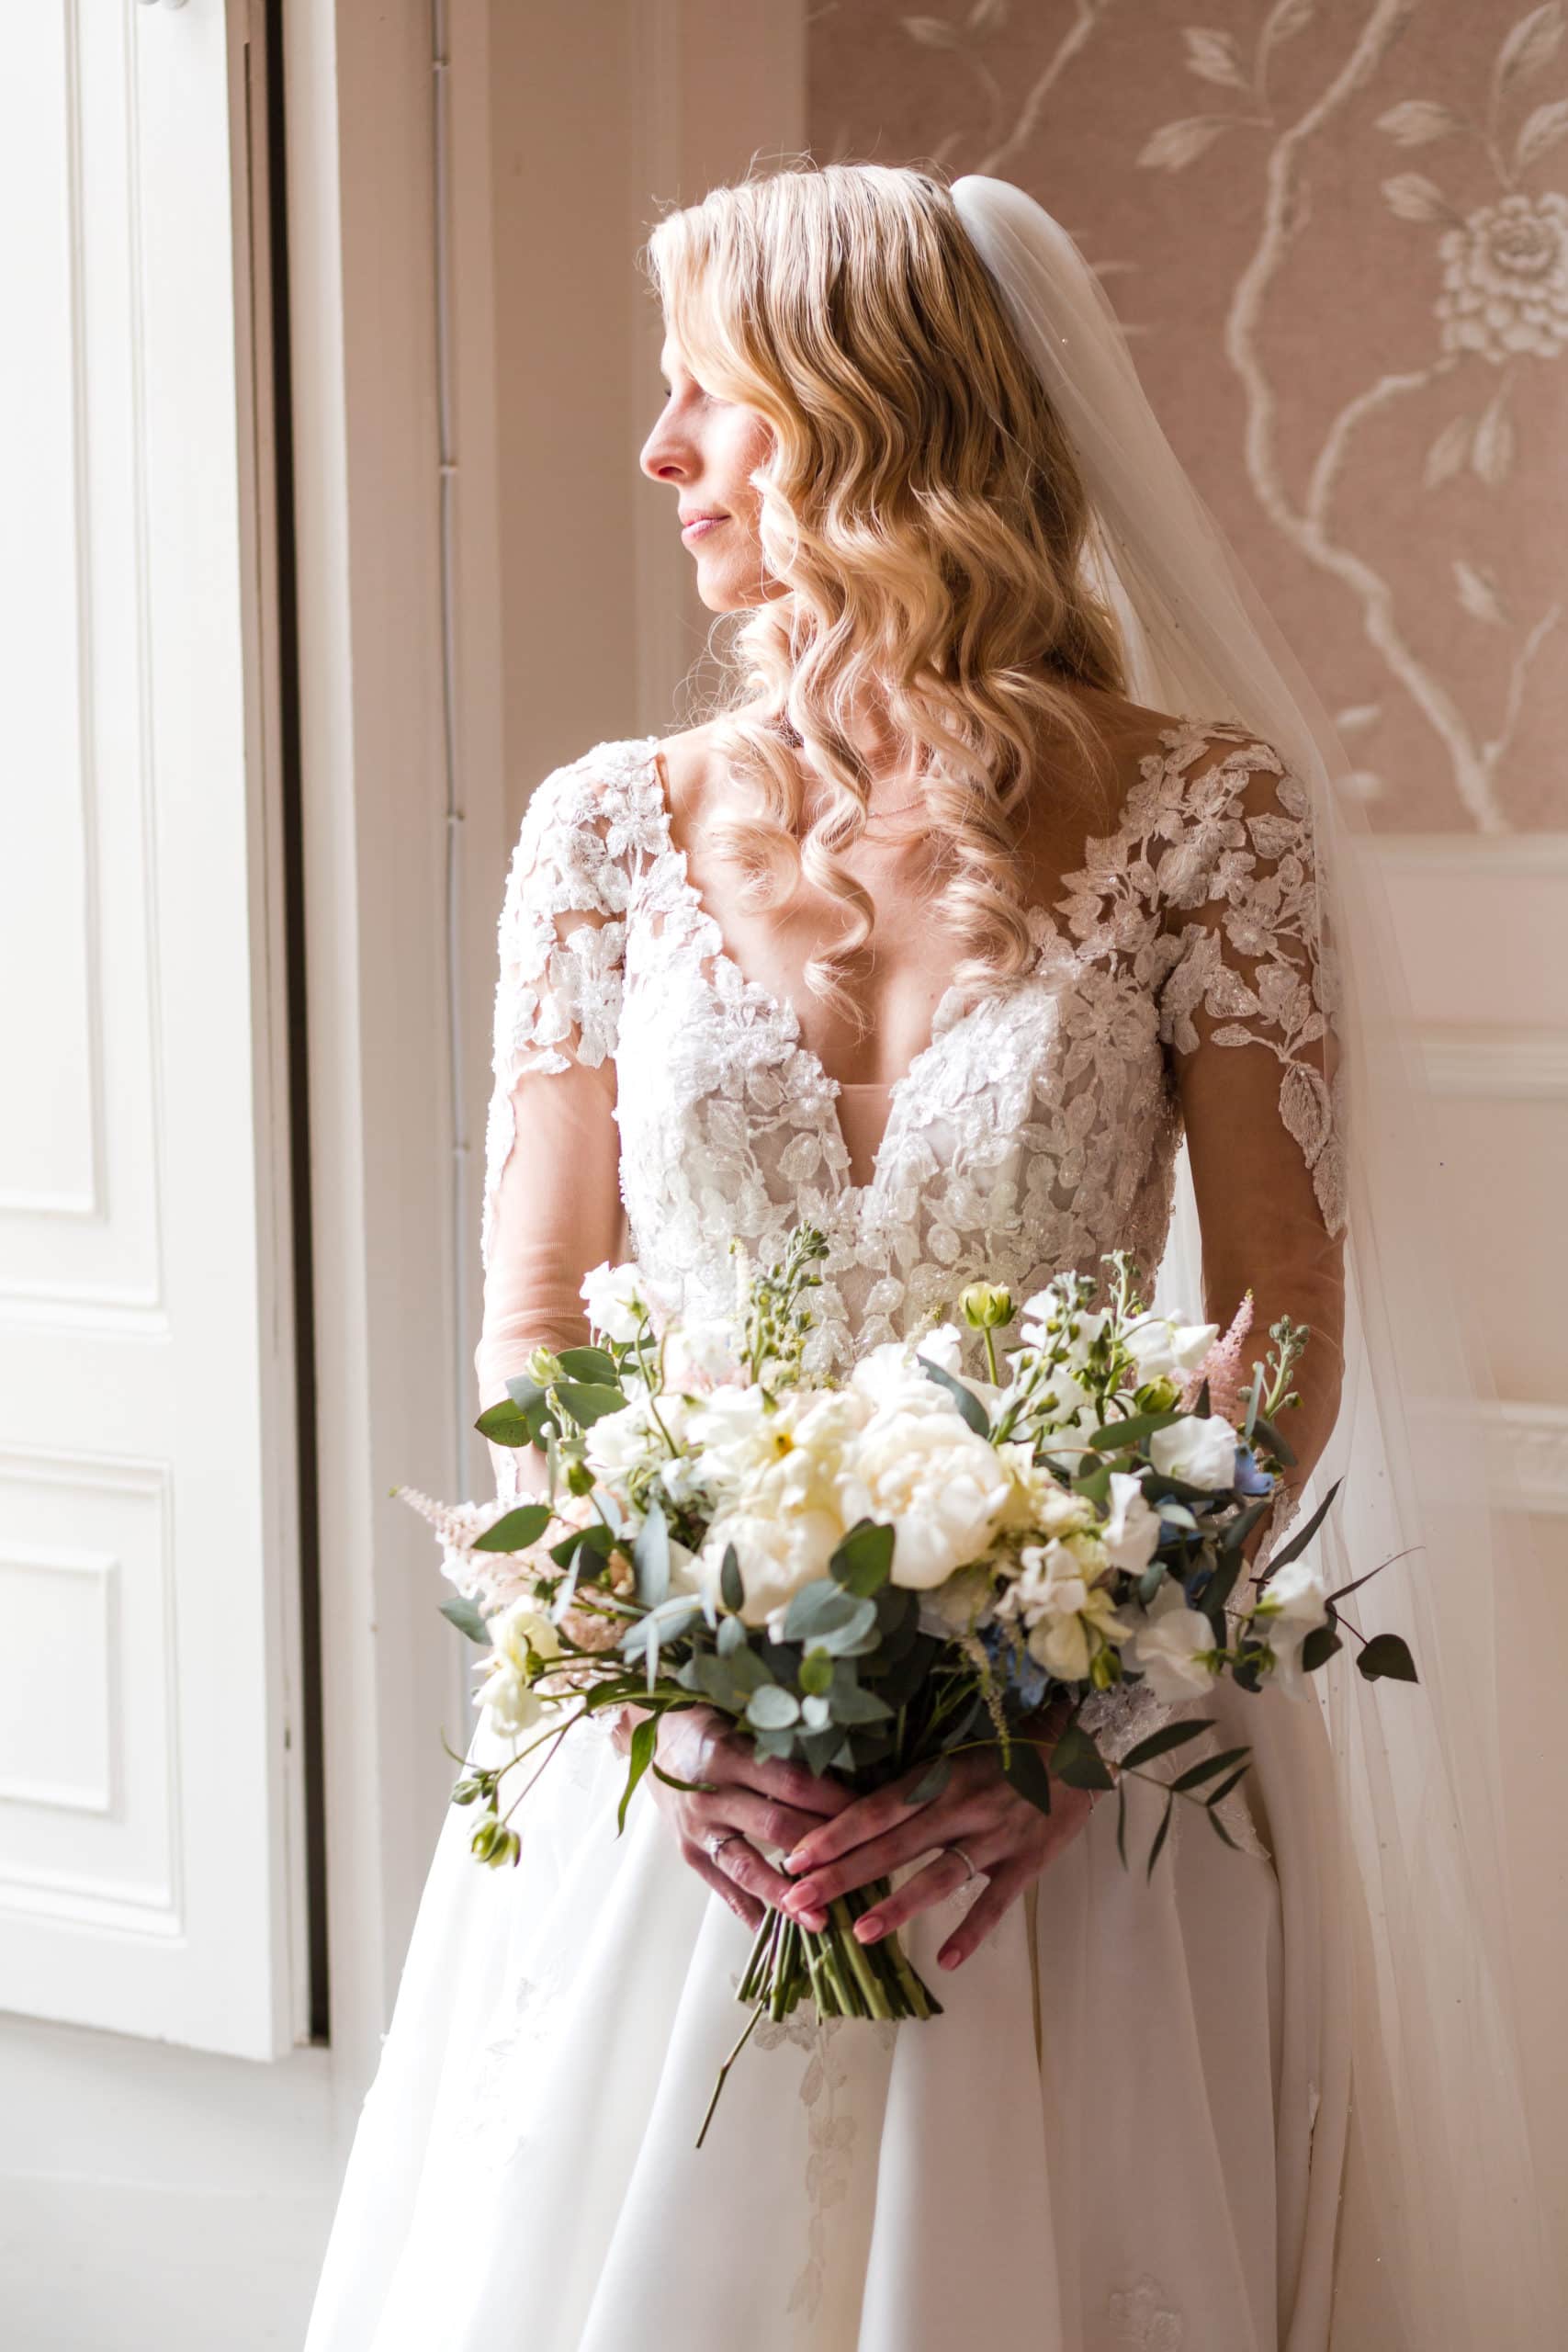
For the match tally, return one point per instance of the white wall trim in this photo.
(1498, 1065)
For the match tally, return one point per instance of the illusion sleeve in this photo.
(1246, 1015)
(552, 1207)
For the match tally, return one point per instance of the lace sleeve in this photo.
(1246, 1010)
(1239, 891)
(552, 1195)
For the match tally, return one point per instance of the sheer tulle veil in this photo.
(1441, 2212)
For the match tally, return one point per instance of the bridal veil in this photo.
(1441, 2190)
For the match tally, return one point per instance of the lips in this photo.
(697, 526)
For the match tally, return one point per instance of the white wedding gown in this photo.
(1131, 2125)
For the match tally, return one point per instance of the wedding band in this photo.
(717, 1845)
(964, 1858)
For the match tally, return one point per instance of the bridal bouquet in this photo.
(873, 1574)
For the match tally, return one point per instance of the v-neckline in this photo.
(1040, 917)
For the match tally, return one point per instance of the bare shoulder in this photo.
(694, 770)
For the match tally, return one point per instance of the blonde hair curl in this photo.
(923, 520)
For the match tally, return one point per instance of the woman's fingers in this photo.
(765, 1821)
(866, 1818)
(942, 1876)
(989, 1909)
(745, 1868)
(744, 1906)
(917, 1834)
(790, 1784)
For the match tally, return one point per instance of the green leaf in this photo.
(690, 1788)
(731, 1636)
(587, 1401)
(816, 1713)
(1160, 1743)
(525, 1393)
(1297, 1543)
(464, 1614)
(1112, 1436)
(590, 1363)
(1161, 1834)
(1387, 1657)
(815, 1676)
(1196, 1774)
(931, 1782)
(1076, 1759)
(1242, 1525)
(517, 1530)
(1218, 1796)
(731, 1590)
(853, 1705)
(823, 1613)
(864, 1561)
(651, 1557)
(770, 1708)
(1121, 1821)
(1273, 1441)
(644, 1737)
(1319, 1646)
(504, 1425)
(1222, 1833)
(821, 1748)
(968, 1404)
(1025, 1771)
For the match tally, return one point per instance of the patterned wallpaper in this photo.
(1336, 233)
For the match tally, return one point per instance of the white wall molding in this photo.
(1496, 1064)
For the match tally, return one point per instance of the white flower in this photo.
(1505, 278)
(618, 1443)
(778, 1551)
(613, 1294)
(523, 1642)
(934, 1480)
(1173, 1646)
(1068, 1614)
(1132, 1532)
(1051, 1305)
(700, 1353)
(1291, 1605)
(1036, 1502)
(1163, 1349)
(1199, 1451)
(753, 1450)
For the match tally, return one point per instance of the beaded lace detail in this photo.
(1037, 1129)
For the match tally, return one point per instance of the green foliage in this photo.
(464, 1614)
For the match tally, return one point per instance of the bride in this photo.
(997, 921)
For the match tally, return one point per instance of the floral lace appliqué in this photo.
(1142, 2319)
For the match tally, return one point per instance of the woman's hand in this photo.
(1009, 1840)
(754, 1801)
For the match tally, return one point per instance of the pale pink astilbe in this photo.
(493, 1578)
(1223, 1368)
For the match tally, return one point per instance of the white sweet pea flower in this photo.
(1200, 1452)
(1049, 1305)
(1164, 1349)
(523, 1645)
(1132, 1532)
(1173, 1646)
(618, 1443)
(700, 1354)
(1035, 1502)
(1056, 1596)
(613, 1295)
(934, 1481)
(1291, 1605)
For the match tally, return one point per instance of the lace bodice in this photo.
(1037, 1129)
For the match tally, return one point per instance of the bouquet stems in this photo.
(843, 1976)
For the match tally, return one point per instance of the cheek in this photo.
(744, 443)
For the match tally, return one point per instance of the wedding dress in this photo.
(1132, 2126)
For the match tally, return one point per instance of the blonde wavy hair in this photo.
(922, 518)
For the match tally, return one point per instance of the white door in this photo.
(149, 1848)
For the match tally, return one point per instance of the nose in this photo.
(665, 456)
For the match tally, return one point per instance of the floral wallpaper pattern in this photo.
(1332, 232)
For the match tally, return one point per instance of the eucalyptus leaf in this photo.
(517, 1530)
(931, 1782)
(968, 1404)
(1112, 1437)
(771, 1708)
(1273, 1441)
(1387, 1656)
(1209, 1768)
(825, 1613)
(816, 1711)
(1161, 1834)
(464, 1614)
(645, 1734)
(651, 1555)
(852, 1704)
(1320, 1645)
(1025, 1771)
(1221, 1832)
(1160, 1743)
(1218, 1796)
(1076, 1759)
(588, 1401)
(524, 1392)
(731, 1636)
(815, 1676)
(504, 1425)
(1297, 1543)
(590, 1365)
(732, 1589)
(863, 1560)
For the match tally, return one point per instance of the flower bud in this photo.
(1104, 1669)
(544, 1366)
(985, 1306)
(482, 1845)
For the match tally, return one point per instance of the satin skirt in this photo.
(1129, 2128)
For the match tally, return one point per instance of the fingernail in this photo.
(949, 1958)
(797, 1861)
(815, 1920)
(868, 1929)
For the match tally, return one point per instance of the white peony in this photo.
(753, 1450)
(700, 1353)
(930, 1478)
(523, 1642)
(1132, 1532)
(1291, 1605)
(1199, 1451)
(1173, 1646)
(778, 1551)
(618, 1443)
